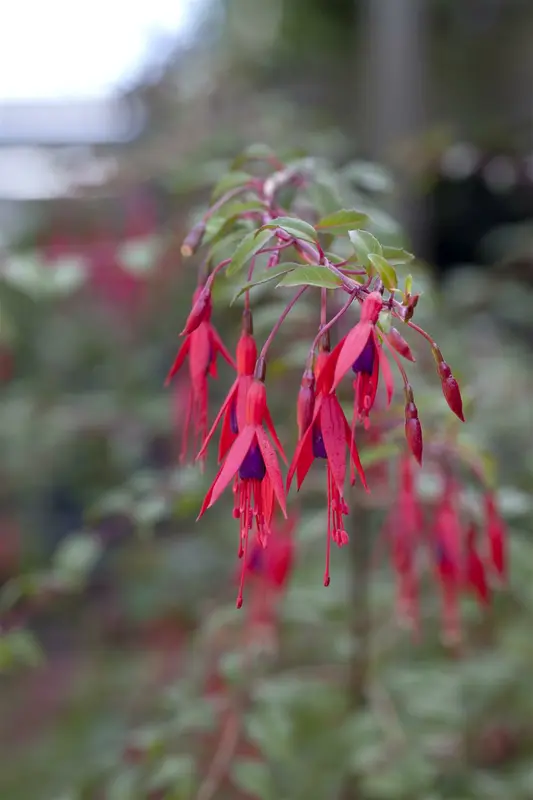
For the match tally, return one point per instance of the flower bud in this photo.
(273, 260)
(246, 354)
(192, 240)
(371, 308)
(256, 403)
(413, 428)
(450, 389)
(397, 341)
(306, 402)
(410, 303)
(200, 312)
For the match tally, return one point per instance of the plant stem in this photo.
(359, 554)
(220, 266)
(422, 332)
(328, 325)
(323, 307)
(279, 323)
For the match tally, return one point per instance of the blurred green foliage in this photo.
(116, 609)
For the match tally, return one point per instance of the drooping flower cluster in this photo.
(249, 448)
(464, 551)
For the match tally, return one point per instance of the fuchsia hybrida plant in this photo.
(273, 243)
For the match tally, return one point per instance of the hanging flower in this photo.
(497, 536)
(233, 409)
(403, 531)
(475, 574)
(201, 346)
(253, 464)
(327, 437)
(361, 351)
(447, 549)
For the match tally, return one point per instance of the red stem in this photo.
(220, 266)
(423, 333)
(328, 325)
(279, 323)
(323, 307)
(397, 360)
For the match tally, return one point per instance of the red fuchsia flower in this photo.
(361, 351)
(403, 531)
(253, 463)
(327, 437)
(268, 571)
(233, 410)
(475, 575)
(496, 535)
(201, 346)
(447, 543)
(306, 402)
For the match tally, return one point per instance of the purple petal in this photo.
(253, 465)
(319, 449)
(233, 418)
(365, 360)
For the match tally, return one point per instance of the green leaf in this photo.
(77, 555)
(386, 271)
(408, 284)
(396, 255)
(125, 786)
(265, 276)
(324, 196)
(249, 246)
(295, 227)
(224, 244)
(19, 649)
(173, 772)
(311, 276)
(256, 152)
(230, 181)
(226, 217)
(342, 221)
(385, 321)
(364, 243)
(253, 777)
(369, 176)
(270, 728)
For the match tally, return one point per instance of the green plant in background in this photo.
(312, 692)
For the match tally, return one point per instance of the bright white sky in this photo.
(61, 48)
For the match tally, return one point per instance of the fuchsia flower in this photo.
(249, 443)
(447, 552)
(233, 409)
(496, 535)
(326, 437)
(458, 564)
(454, 554)
(475, 574)
(403, 530)
(362, 352)
(253, 463)
(202, 345)
(268, 570)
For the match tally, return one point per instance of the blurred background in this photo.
(115, 121)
